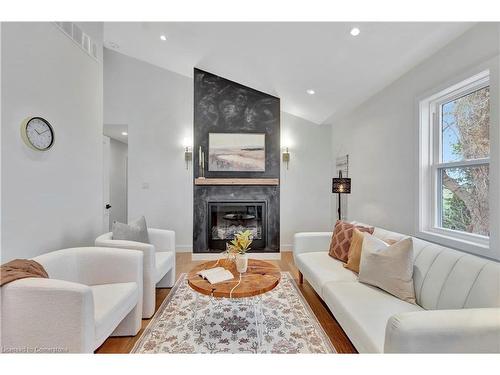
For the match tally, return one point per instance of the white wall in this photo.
(306, 184)
(118, 181)
(157, 105)
(381, 135)
(53, 199)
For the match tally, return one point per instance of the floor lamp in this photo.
(341, 185)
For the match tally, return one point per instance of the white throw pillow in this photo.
(388, 267)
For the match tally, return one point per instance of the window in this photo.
(454, 163)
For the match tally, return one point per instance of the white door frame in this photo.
(106, 186)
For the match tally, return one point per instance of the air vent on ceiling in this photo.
(79, 37)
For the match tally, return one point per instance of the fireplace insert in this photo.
(225, 219)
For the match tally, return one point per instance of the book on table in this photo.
(216, 275)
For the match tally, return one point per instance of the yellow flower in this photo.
(241, 242)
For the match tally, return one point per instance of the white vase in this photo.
(241, 263)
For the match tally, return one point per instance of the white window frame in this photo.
(430, 146)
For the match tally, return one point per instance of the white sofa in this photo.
(91, 293)
(159, 262)
(458, 299)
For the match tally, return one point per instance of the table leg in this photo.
(259, 320)
(195, 313)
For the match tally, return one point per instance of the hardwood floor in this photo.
(184, 264)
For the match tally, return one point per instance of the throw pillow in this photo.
(136, 230)
(389, 267)
(341, 239)
(354, 255)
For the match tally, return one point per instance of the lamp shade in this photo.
(341, 185)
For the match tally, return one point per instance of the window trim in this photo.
(430, 156)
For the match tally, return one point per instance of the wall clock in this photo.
(37, 133)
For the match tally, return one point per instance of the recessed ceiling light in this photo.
(124, 133)
(355, 31)
(163, 37)
(310, 91)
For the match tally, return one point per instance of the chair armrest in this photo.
(162, 239)
(444, 331)
(308, 242)
(47, 313)
(148, 250)
(101, 265)
(105, 236)
(106, 240)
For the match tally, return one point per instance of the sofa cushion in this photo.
(450, 279)
(319, 268)
(164, 263)
(363, 312)
(112, 303)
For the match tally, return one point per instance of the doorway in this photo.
(115, 169)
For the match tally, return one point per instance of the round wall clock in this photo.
(37, 133)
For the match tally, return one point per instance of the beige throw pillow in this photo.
(354, 256)
(388, 267)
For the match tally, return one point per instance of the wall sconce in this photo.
(188, 155)
(286, 157)
(188, 150)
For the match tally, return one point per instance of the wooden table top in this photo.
(261, 277)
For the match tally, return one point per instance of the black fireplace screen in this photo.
(228, 218)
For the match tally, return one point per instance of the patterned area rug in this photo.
(279, 321)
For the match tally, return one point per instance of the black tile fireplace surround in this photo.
(212, 203)
(224, 106)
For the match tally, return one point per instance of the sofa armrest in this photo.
(308, 242)
(162, 239)
(47, 313)
(444, 331)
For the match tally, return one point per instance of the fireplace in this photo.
(228, 200)
(225, 219)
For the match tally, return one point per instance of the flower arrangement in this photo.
(241, 243)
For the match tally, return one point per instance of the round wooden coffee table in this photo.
(261, 277)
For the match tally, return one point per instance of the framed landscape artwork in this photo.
(236, 152)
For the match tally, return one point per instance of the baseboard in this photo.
(189, 249)
(263, 256)
(183, 249)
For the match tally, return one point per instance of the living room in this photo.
(314, 186)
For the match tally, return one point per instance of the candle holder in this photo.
(201, 163)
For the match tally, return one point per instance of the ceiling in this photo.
(115, 131)
(286, 59)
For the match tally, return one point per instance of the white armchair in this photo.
(92, 293)
(159, 262)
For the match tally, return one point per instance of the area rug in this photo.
(279, 321)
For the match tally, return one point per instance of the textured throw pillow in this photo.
(341, 239)
(388, 267)
(136, 230)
